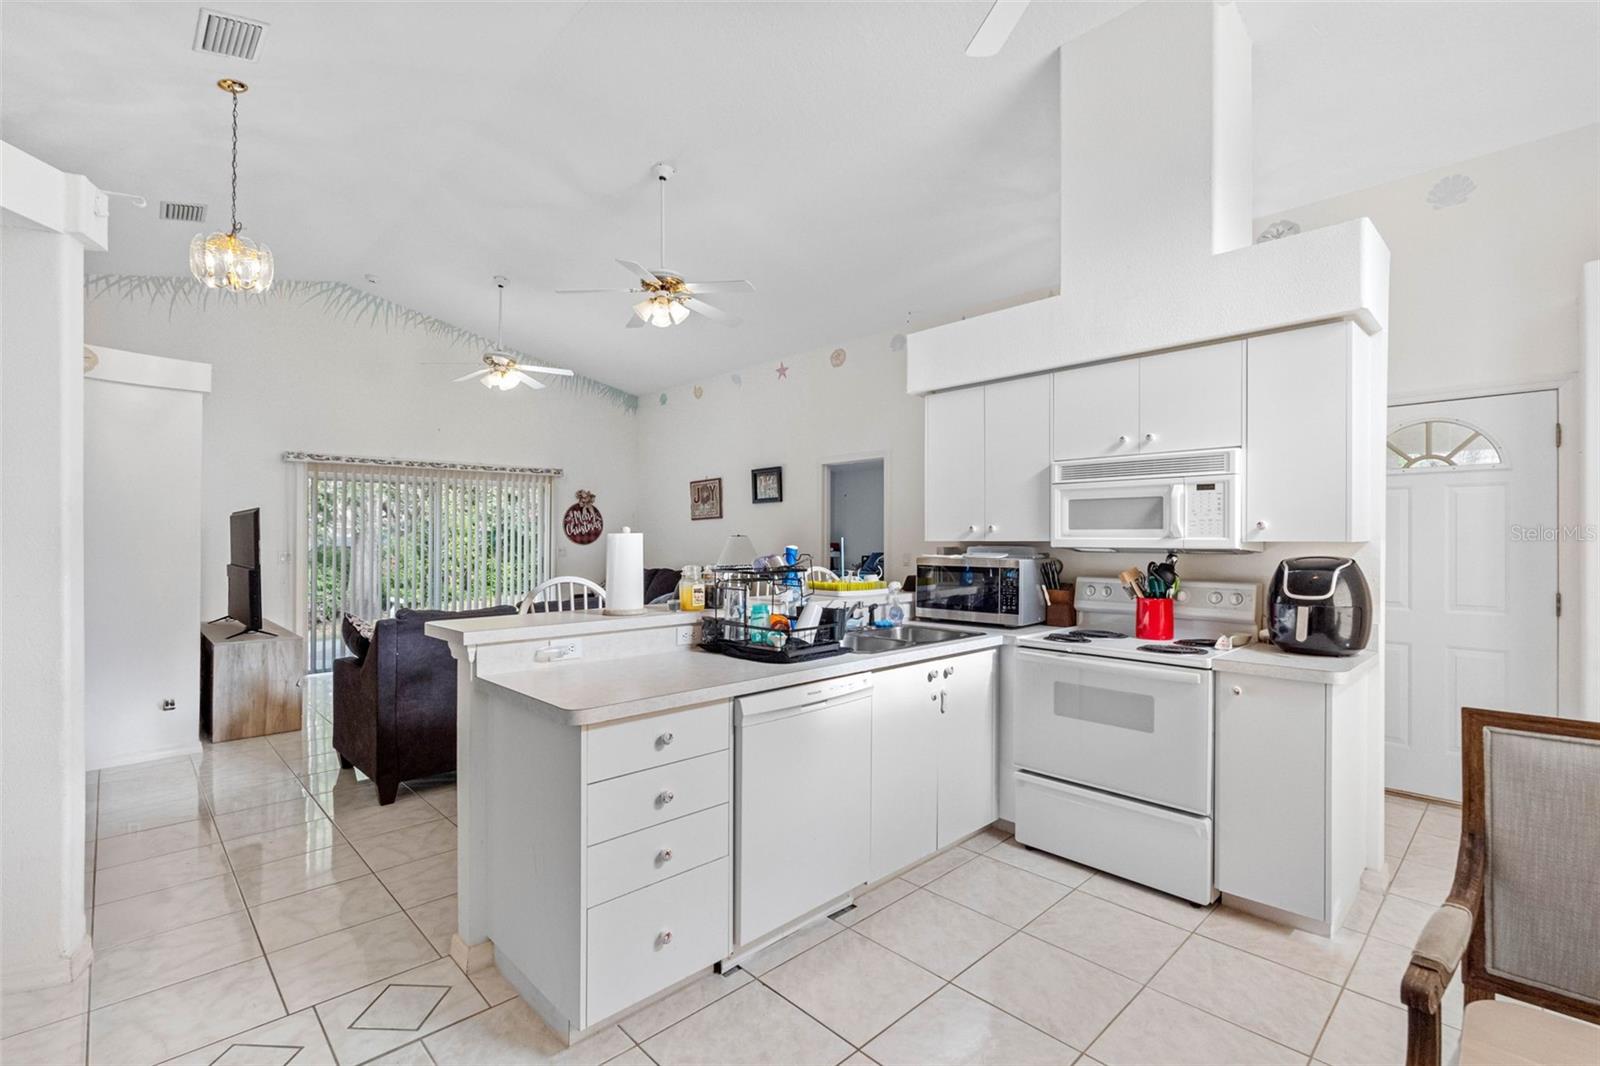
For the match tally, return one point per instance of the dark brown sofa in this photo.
(394, 709)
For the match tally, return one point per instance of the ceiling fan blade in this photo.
(716, 314)
(523, 379)
(638, 271)
(529, 368)
(634, 322)
(474, 374)
(718, 286)
(996, 28)
(568, 292)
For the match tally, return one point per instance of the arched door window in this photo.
(1440, 444)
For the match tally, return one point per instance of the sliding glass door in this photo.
(383, 536)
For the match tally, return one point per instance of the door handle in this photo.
(949, 670)
(942, 695)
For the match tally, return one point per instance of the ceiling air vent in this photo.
(172, 212)
(228, 35)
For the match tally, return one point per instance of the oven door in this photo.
(958, 592)
(1126, 514)
(1128, 728)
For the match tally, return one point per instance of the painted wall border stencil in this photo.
(339, 301)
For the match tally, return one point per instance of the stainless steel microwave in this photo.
(986, 589)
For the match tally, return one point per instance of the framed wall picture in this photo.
(766, 485)
(705, 499)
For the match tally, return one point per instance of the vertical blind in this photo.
(384, 535)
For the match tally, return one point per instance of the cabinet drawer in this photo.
(640, 743)
(657, 853)
(645, 941)
(649, 797)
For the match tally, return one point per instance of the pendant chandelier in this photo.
(227, 260)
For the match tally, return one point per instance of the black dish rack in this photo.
(726, 626)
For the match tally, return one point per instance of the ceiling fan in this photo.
(668, 298)
(996, 28)
(500, 367)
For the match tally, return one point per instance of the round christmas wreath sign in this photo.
(583, 522)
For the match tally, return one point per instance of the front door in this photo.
(1471, 575)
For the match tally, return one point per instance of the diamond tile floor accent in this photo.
(255, 904)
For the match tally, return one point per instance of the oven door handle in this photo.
(1172, 675)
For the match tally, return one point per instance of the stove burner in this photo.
(1066, 638)
(1098, 634)
(1198, 642)
(1178, 648)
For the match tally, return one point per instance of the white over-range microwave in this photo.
(1190, 501)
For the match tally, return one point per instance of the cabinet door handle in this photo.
(665, 797)
(933, 675)
(1237, 691)
(1149, 438)
(664, 937)
(941, 701)
(949, 670)
(1261, 524)
(664, 855)
(1122, 439)
(664, 739)
(993, 528)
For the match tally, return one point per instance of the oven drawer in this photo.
(1124, 727)
(1164, 849)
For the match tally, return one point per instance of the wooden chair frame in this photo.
(1423, 986)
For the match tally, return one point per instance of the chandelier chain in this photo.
(234, 188)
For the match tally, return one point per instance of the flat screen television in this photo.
(244, 570)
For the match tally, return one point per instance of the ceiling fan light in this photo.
(660, 311)
(677, 311)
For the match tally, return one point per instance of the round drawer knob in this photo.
(664, 739)
(664, 937)
(1149, 437)
(993, 528)
(1262, 524)
(1237, 691)
(933, 675)
(664, 855)
(665, 797)
(1122, 439)
(949, 670)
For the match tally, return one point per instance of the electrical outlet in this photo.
(568, 649)
(685, 636)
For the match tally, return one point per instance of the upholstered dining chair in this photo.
(563, 594)
(1522, 920)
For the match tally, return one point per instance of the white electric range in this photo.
(1114, 736)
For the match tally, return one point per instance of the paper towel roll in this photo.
(625, 572)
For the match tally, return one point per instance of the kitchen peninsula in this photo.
(599, 801)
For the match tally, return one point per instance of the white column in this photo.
(43, 939)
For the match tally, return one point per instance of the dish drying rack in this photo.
(727, 626)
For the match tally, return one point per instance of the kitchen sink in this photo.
(899, 638)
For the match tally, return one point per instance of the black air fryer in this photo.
(1319, 605)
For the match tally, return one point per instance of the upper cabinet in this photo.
(1311, 469)
(986, 473)
(1181, 401)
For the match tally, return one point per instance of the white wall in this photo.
(855, 508)
(289, 375)
(1486, 296)
(817, 413)
(142, 519)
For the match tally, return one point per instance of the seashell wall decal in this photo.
(699, 392)
(1451, 191)
(838, 357)
(1282, 228)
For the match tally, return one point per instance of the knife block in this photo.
(1061, 611)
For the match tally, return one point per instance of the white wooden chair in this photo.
(563, 594)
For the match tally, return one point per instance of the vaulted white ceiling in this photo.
(846, 158)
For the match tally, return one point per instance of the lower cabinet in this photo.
(933, 757)
(1290, 817)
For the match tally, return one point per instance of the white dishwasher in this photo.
(803, 792)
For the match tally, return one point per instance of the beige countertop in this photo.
(588, 692)
(512, 628)
(1264, 660)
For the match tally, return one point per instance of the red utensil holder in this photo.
(1152, 619)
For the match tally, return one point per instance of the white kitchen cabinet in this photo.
(968, 794)
(1311, 447)
(1095, 410)
(1180, 401)
(1192, 400)
(1016, 448)
(933, 757)
(953, 465)
(1290, 814)
(905, 766)
(986, 472)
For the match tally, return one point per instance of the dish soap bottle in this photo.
(691, 590)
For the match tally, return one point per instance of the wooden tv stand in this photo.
(250, 684)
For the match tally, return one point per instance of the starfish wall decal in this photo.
(783, 372)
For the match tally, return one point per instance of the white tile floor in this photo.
(256, 904)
